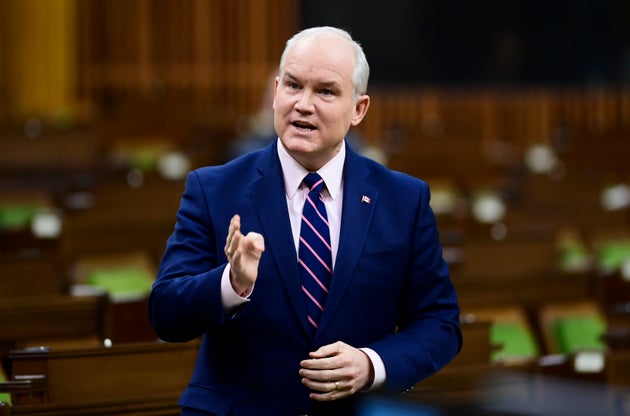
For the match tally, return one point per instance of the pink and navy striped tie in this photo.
(314, 253)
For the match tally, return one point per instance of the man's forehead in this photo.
(328, 45)
(322, 67)
(330, 78)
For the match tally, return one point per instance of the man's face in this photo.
(313, 105)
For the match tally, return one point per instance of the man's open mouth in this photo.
(303, 125)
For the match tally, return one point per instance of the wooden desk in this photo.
(138, 379)
(54, 320)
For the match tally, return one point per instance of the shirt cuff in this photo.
(379, 369)
(229, 298)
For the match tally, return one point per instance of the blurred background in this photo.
(516, 113)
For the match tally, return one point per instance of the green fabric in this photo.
(515, 340)
(145, 159)
(4, 397)
(573, 257)
(16, 216)
(613, 254)
(579, 333)
(122, 282)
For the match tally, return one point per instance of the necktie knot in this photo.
(314, 182)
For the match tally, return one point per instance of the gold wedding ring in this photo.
(337, 385)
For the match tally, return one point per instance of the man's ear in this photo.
(275, 90)
(360, 109)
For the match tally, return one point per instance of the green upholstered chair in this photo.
(517, 342)
(613, 253)
(511, 335)
(580, 332)
(570, 327)
(121, 283)
(16, 216)
(4, 397)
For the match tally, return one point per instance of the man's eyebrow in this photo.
(328, 84)
(289, 76)
(322, 84)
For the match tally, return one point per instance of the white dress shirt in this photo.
(296, 193)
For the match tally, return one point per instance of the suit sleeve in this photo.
(185, 300)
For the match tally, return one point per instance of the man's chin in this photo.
(301, 143)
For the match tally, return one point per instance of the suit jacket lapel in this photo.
(359, 199)
(270, 201)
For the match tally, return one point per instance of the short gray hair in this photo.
(361, 72)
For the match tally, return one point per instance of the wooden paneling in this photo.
(222, 51)
(467, 133)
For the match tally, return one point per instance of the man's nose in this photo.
(305, 102)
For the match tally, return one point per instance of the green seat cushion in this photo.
(144, 160)
(574, 257)
(613, 254)
(579, 333)
(121, 283)
(515, 339)
(16, 216)
(4, 397)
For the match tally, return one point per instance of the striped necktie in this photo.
(314, 253)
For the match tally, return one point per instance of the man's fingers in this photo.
(231, 242)
(332, 364)
(256, 242)
(328, 350)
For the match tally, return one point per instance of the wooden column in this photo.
(39, 57)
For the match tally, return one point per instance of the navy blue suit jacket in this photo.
(391, 290)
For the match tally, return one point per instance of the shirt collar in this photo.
(294, 173)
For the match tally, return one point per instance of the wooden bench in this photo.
(618, 377)
(125, 279)
(29, 275)
(513, 340)
(138, 379)
(568, 327)
(51, 320)
(514, 271)
(618, 368)
(35, 308)
(122, 218)
(51, 152)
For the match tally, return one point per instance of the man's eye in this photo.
(326, 91)
(293, 85)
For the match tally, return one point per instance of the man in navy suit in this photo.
(230, 270)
